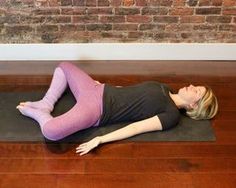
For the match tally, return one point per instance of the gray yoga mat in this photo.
(16, 127)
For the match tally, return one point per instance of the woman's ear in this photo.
(193, 105)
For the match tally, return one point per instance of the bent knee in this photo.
(64, 64)
(51, 134)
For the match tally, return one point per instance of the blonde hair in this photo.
(207, 106)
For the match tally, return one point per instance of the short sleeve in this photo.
(169, 119)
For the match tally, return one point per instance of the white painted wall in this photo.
(119, 51)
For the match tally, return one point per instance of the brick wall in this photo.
(88, 21)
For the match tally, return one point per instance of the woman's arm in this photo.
(147, 125)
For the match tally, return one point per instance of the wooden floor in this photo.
(127, 164)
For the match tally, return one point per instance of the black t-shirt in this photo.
(138, 102)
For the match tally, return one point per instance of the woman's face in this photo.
(191, 94)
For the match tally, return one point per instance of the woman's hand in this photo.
(88, 146)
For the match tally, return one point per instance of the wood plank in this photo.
(167, 180)
(226, 115)
(120, 150)
(117, 166)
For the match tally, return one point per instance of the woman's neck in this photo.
(177, 100)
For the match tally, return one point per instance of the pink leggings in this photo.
(85, 113)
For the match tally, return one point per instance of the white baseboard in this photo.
(119, 51)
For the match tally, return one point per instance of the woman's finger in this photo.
(81, 147)
(83, 153)
(79, 151)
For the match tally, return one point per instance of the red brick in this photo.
(179, 2)
(29, 2)
(18, 29)
(157, 27)
(66, 2)
(158, 36)
(229, 11)
(217, 36)
(186, 35)
(99, 27)
(192, 3)
(79, 2)
(139, 19)
(181, 11)
(84, 19)
(46, 28)
(178, 27)
(126, 27)
(154, 11)
(10, 19)
(166, 19)
(32, 19)
(116, 3)
(103, 3)
(58, 19)
(107, 34)
(99, 10)
(50, 37)
(20, 3)
(218, 19)
(54, 3)
(70, 27)
(46, 11)
(136, 34)
(128, 2)
(167, 3)
(205, 11)
(192, 19)
(73, 11)
(227, 27)
(127, 11)
(40, 3)
(204, 2)
(147, 26)
(91, 3)
(229, 3)
(204, 27)
(4, 3)
(112, 19)
(82, 36)
(141, 2)
(210, 2)
(231, 39)
(216, 2)
(2, 11)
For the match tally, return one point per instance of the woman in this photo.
(150, 105)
